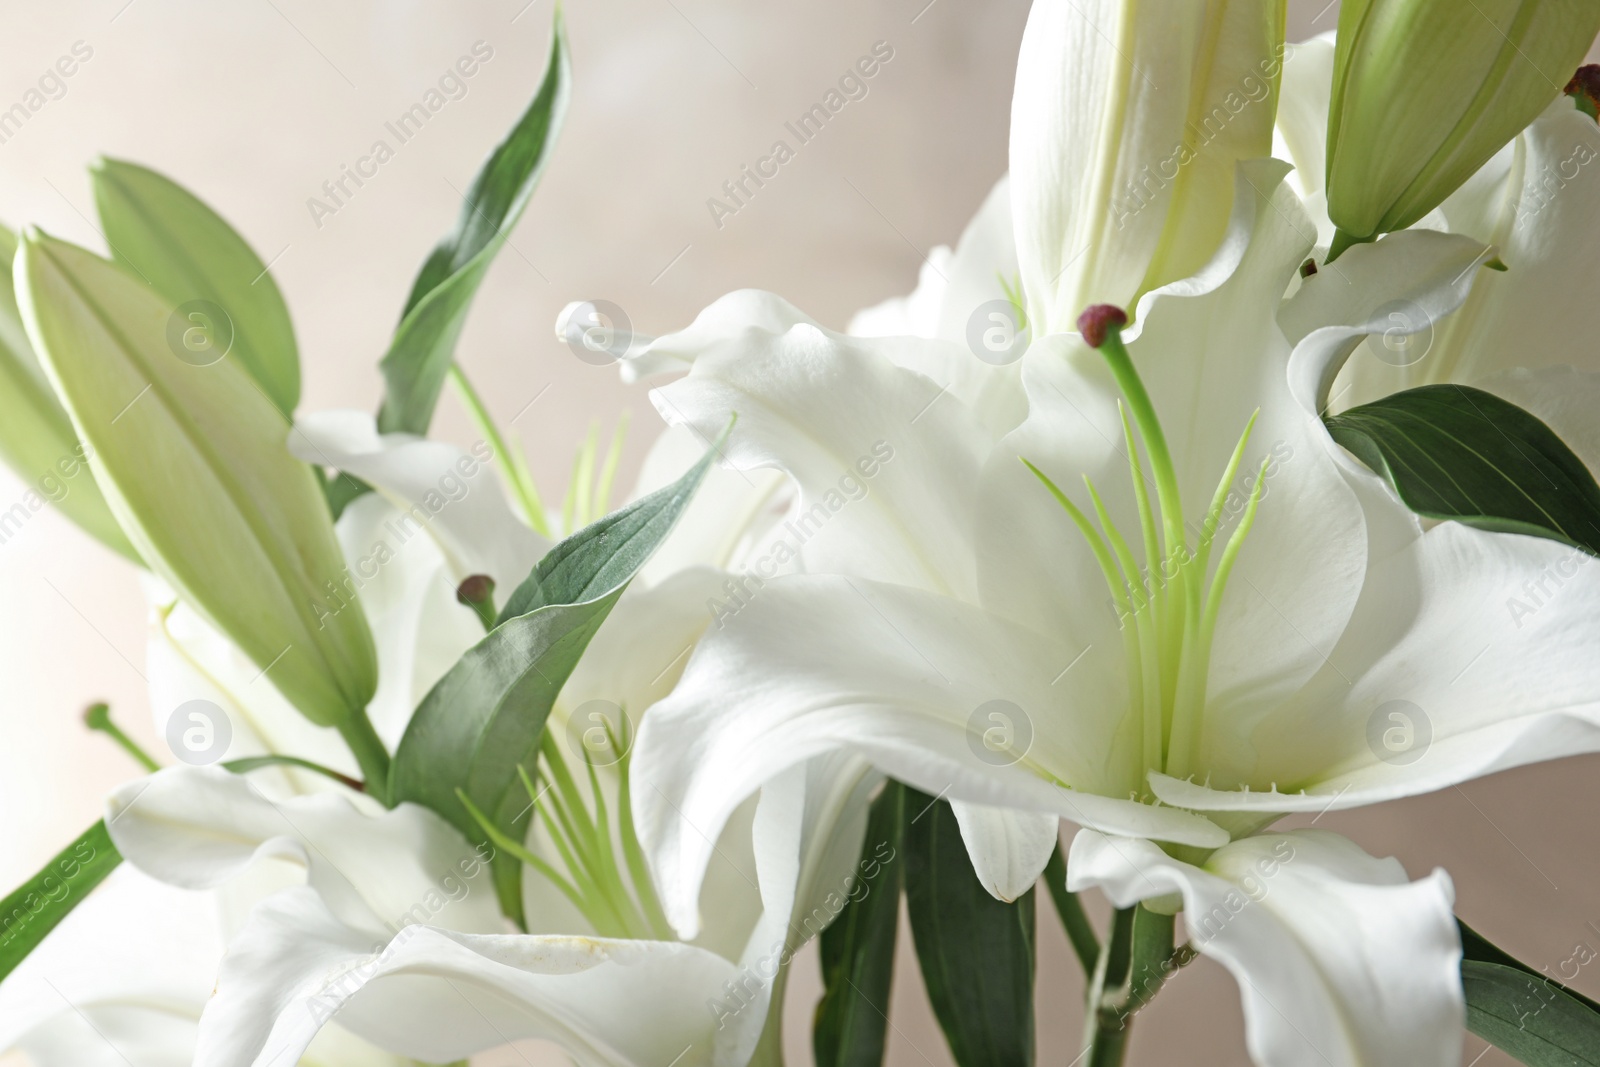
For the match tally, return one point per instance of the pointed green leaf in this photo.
(164, 234)
(1514, 1007)
(852, 1017)
(36, 437)
(976, 953)
(419, 357)
(40, 903)
(1454, 452)
(193, 462)
(486, 716)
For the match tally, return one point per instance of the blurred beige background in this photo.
(255, 103)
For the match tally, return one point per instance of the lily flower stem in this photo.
(1080, 932)
(1135, 960)
(371, 756)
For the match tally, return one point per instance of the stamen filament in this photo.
(608, 470)
(1141, 494)
(1138, 651)
(1183, 754)
(519, 852)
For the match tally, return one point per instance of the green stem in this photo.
(371, 756)
(256, 763)
(1079, 930)
(98, 717)
(1135, 961)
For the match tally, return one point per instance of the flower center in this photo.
(1171, 605)
(613, 893)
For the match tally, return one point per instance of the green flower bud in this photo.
(1426, 91)
(36, 437)
(193, 461)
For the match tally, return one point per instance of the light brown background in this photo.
(254, 103)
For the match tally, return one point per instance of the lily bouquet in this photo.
(1235, 465)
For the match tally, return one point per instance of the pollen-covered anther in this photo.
(1099, 320)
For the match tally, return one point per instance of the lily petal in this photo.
(1113, 190)
(886, 468)
(136, 959)
(437, 995)
(1340, 959)
(435, 486)
(1009, 849)
(1472, 646)
(198, 827)
(817, 664)
(1405, 284)
(1539, 311)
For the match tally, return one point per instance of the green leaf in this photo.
(40, 903)
(194, 464)
(164, 234)
(486, 716)
(858, 947)
(37, 440)
(419, 357)
(1514, 1007)
(976, 953)
(1454, 452)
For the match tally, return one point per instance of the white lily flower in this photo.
(335, 907)
(398, 934)
(963, 597)
(439, 517)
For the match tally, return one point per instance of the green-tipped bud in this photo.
(169, 238)
(36, 437)
(1426, 91)
(192, 458)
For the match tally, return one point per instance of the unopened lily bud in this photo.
(36, 437)
(193, 460)
(1426, 91)
(1127, 125)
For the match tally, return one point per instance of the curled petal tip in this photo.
(1097, 320)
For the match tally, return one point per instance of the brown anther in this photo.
(1098, 320)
